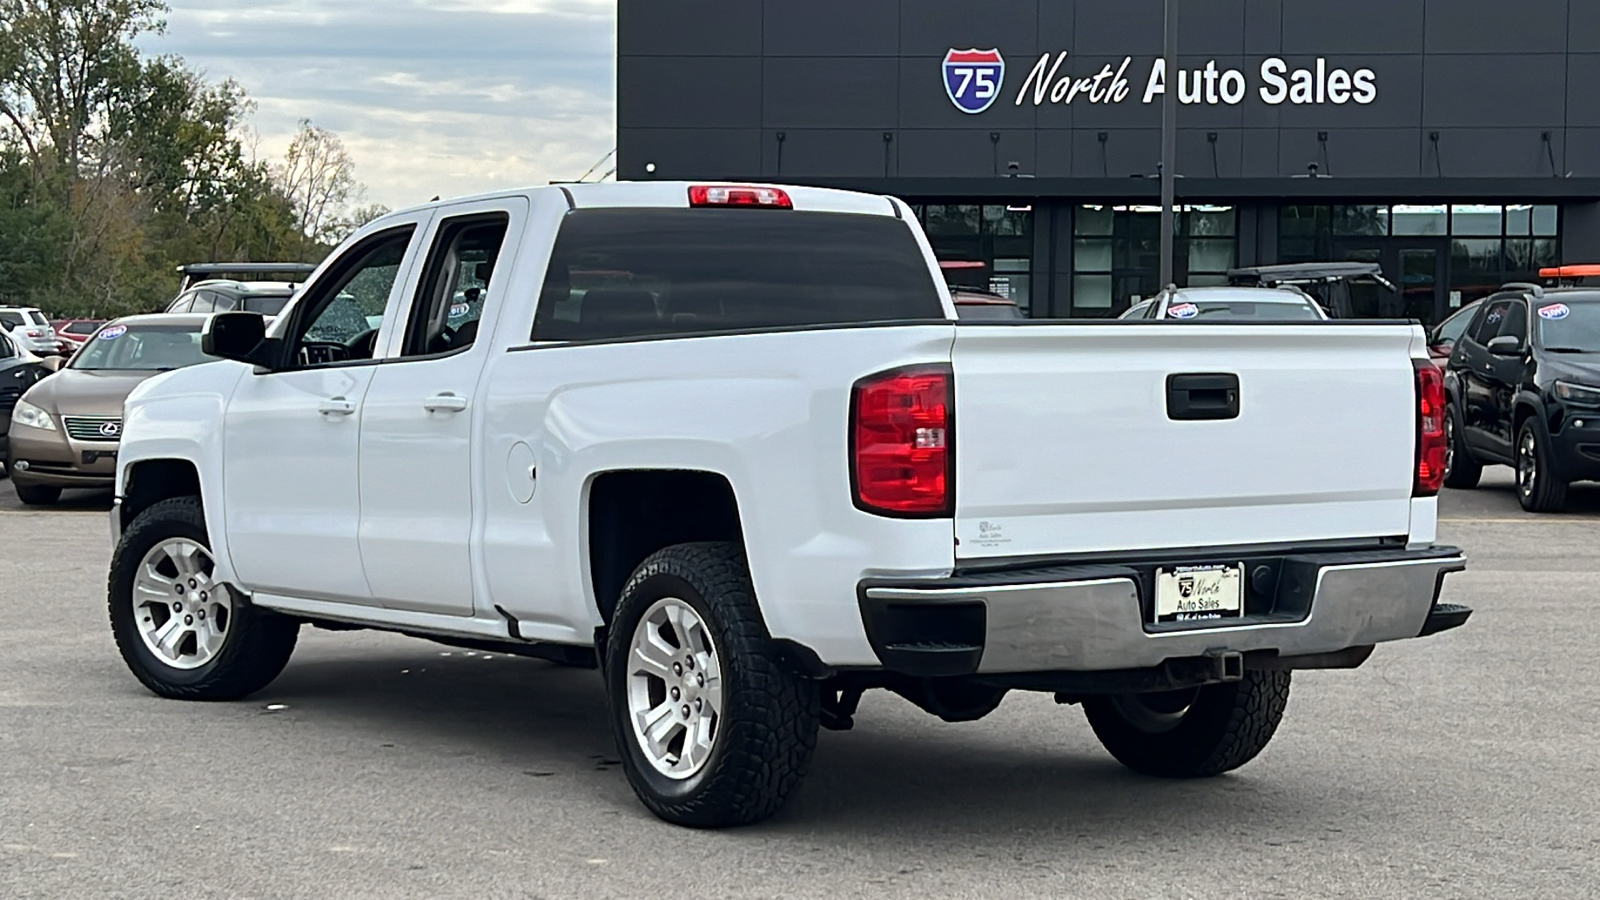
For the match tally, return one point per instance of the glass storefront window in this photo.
(1211, 255)
(1092, 221)
(1091, 292)
(1544, 221)
(951, 219)
(1091, 254)
(1361, 220)
(1003, 220)
(1475, 219)
(1210, 221)
(1410, 219)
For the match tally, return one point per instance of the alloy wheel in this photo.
(1527, 463)
(180, 612)
(674, 688)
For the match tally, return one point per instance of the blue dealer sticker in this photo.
(112, 333)
(1554, 311)
(1183, 310)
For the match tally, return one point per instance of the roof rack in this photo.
(1532, 289)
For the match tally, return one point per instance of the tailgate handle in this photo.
(1203, 396)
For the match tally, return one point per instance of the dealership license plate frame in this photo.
(1178, 586)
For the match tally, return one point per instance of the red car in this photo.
(73, 332)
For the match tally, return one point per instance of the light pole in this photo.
(1169, 139)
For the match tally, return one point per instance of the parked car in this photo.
(29, 329)
(265, 297)
(729, 444)
(1442, 339)
(66, 428)
(19, 370)
(980, 305)
(1523, 388)
(71, 333)
(1212, 304)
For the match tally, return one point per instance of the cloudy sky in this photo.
(441, 97)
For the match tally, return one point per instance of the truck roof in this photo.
(675, 194)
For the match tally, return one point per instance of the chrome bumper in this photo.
(1087, 618)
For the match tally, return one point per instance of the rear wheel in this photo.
(182, 633)
(1191, 733)
(1539, 487)
(1460, 469)
(37, 494)
(713, 727)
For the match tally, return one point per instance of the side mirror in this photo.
(52, 363)
(238, 336)
(1505, 345)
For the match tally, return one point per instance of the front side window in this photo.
(11, 319)
(618, 273)
(449, 302)
(1515, 323)
(141, 348)
(341, 319)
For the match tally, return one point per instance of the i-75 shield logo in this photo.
(972, 78)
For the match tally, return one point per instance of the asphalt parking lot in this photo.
(378, 766)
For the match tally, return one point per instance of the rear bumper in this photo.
(1096, 618)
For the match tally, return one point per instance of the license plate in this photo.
(1199, 593)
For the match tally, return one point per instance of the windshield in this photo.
(144, 348)
(266, 305)
(1297, 309)
(1572, 327)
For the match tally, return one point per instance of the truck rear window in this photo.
(618, 273)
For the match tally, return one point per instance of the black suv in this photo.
(1523, 384)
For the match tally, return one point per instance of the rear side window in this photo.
(11, 319)
(1488, 325)
(618, 273)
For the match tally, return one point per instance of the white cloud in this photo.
(433, 97)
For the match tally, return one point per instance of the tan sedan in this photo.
(65, 430)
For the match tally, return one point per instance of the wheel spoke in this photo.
(660, 730)
(712, 693)
(652, 658)
(208, 640)
(169, 637)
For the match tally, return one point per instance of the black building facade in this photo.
(1456, 142)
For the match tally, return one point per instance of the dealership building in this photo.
(1455, 142)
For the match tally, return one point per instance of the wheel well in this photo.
(634, 513)
(1522, 413)
(153, 480)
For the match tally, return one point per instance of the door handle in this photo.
(336, 406)
(446, 402)
(1202, 396)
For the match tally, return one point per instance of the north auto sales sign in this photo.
(974, 79)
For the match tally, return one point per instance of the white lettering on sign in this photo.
(1051, 80)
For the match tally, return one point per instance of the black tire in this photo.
(1539, 486)
(1461, 470)
(37, 494)
(257, 644)
(1224, 726)
(763, 740)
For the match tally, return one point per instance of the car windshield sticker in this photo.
(459, 310)
(114, 332)
(1554, 311)
(1183, 310)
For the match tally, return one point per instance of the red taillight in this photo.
(736, 195)
(901, 442)
(1431, 449)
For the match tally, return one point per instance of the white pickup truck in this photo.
(730, 444)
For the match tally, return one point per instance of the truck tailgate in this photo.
(1065, 443)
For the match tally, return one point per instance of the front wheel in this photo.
(37, 494)
(1461, 471)
(1539, 487)
(182, 633)
(1195, 732)
(713, 727)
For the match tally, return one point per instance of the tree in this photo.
(319, 178)
(61, 62)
